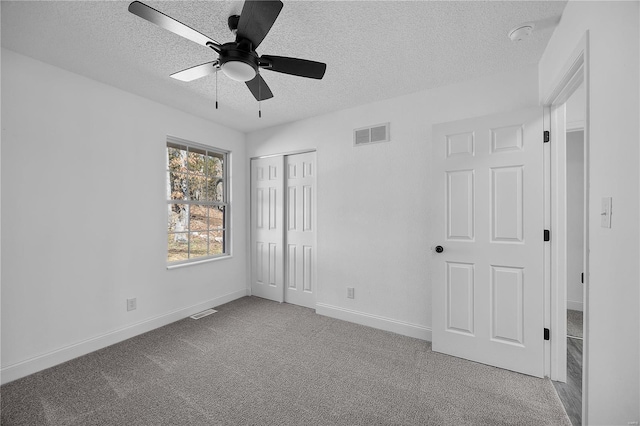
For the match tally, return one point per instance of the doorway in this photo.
(283, 228)
(567, 157)
(570, 389)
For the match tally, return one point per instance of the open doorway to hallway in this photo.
(571, 392)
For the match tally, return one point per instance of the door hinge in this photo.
(546, 136)
(547, 334)
(547, 235)
(582, 277)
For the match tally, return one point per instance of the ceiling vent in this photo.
(371, 134)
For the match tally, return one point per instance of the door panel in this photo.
(488, 282)
(460, 206)
(506, 206)
(459, 303)
(267, 236)
(301, 229)
(507, 304)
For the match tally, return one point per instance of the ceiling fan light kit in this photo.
(239, 65)
(238, 60)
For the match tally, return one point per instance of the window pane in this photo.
(199, 222)
(197, 244)
(177, 185)
(216, 217)
(176, 159)
(215, 189)
(178, 218)
(197, 187)
(214, 165)
(178, 247)
(216, 242)
(195, 162)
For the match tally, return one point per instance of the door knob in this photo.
(439, 249)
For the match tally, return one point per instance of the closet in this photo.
(283, 228)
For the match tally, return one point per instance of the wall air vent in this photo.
(371, 134)
(203, 313)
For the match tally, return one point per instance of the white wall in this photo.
(613, 390)
(84, 216)
(575, 223)
(375, 202)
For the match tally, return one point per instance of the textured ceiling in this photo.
(373, 50)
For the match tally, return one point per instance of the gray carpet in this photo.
(574, 323)
(257, 362)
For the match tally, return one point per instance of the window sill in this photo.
(198, 262)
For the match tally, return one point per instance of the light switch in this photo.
(605, 213)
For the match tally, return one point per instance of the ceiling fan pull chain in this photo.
(216, 90)
(259, 97)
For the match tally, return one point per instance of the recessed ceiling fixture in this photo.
(237, 59)
(521, 32)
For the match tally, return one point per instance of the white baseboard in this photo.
(58, 356)
(375, 321)
(575, 306)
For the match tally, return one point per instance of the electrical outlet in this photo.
(350, 292)
(131, 304)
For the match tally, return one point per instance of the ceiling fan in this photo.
(237, 59)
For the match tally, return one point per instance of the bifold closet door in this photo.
(267, 228)
(300, 227)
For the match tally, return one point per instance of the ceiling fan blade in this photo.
(259, 88)
(168, 23)
(293, 66)
(197, 72)
(256, 19)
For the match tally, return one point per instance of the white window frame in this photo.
(226, 234)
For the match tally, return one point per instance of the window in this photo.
(197, 199)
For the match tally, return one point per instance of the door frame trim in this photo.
(574, 72)
(284, 154)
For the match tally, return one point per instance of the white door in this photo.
(488, 292)
(267, 224)
(300, 228)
